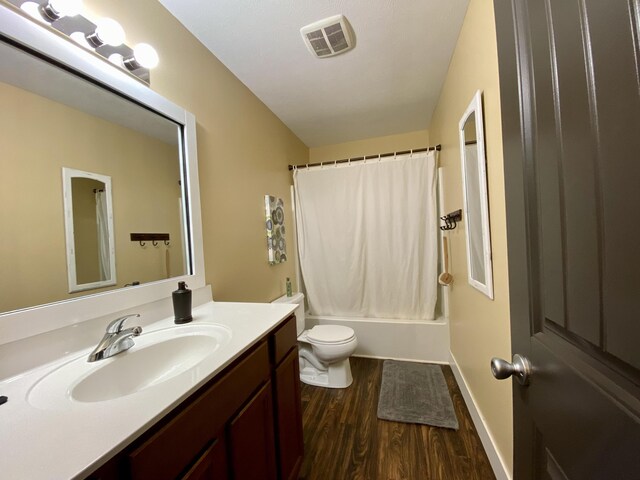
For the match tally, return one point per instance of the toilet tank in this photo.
(298, 299)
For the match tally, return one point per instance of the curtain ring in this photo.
(349, 161)
(321, 165)
(307, 166)
(378, 158)
(411, 153)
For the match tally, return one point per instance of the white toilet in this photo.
(324, 350)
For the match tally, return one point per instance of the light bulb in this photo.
(65, 8)
(33, 10)
(116, 59)
(80, 39)
(145, 55)
(110, 32)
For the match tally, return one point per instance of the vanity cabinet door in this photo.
(212, 465)
(175, 445)
(251, 439)
(289, 416)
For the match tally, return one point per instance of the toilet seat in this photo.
(330, 335)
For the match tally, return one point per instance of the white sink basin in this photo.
(155, 358)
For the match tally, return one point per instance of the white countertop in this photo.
(71, 442)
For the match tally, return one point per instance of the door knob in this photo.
(520, 368)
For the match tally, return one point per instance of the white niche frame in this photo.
(67, 191)
(484, 285)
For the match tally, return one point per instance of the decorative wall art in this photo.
(276, 245)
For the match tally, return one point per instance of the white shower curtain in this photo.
(367, 237)
(103, 236)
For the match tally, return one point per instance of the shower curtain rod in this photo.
(367, 157)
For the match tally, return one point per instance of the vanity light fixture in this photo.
(104, 37)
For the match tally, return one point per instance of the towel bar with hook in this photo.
(150, 237)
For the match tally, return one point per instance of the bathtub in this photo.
(422, 341)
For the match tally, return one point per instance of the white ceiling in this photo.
(389, 83)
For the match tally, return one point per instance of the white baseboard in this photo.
(497, 462)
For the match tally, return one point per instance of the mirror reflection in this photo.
(52, 120)
(474, 214)
(476, 197)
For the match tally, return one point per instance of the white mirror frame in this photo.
(18, 324)
(69, 229)
(475, 107)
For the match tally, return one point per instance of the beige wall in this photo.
(479, 326)
(370, 146)
(243, 151)
(39, 138)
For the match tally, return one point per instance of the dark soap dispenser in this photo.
(182, 304)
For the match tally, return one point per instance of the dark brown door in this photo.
(570, 93)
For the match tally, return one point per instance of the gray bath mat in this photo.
(415, 393)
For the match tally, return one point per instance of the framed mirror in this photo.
(66, 109)
(88, 222)
(476, 199)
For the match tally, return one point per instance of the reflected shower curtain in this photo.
(367, 237)
(103, 236)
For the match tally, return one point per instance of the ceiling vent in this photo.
(328, 37)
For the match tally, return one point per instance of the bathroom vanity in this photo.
(226, 408)
(244, 423)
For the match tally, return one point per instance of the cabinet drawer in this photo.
(169, 450)
(283, 339)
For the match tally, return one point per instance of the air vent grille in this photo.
(328, 37)
(336, 37)
(319, 44)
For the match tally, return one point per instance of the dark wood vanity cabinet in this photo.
(244, 424)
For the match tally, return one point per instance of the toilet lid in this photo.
(330, 334)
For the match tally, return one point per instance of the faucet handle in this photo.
(116, 325)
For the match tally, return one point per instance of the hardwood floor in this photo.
(344, 439)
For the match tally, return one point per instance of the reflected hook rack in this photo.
(451, 220)
(150, 237)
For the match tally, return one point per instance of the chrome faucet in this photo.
(115, 339)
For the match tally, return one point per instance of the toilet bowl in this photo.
(324, 350)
